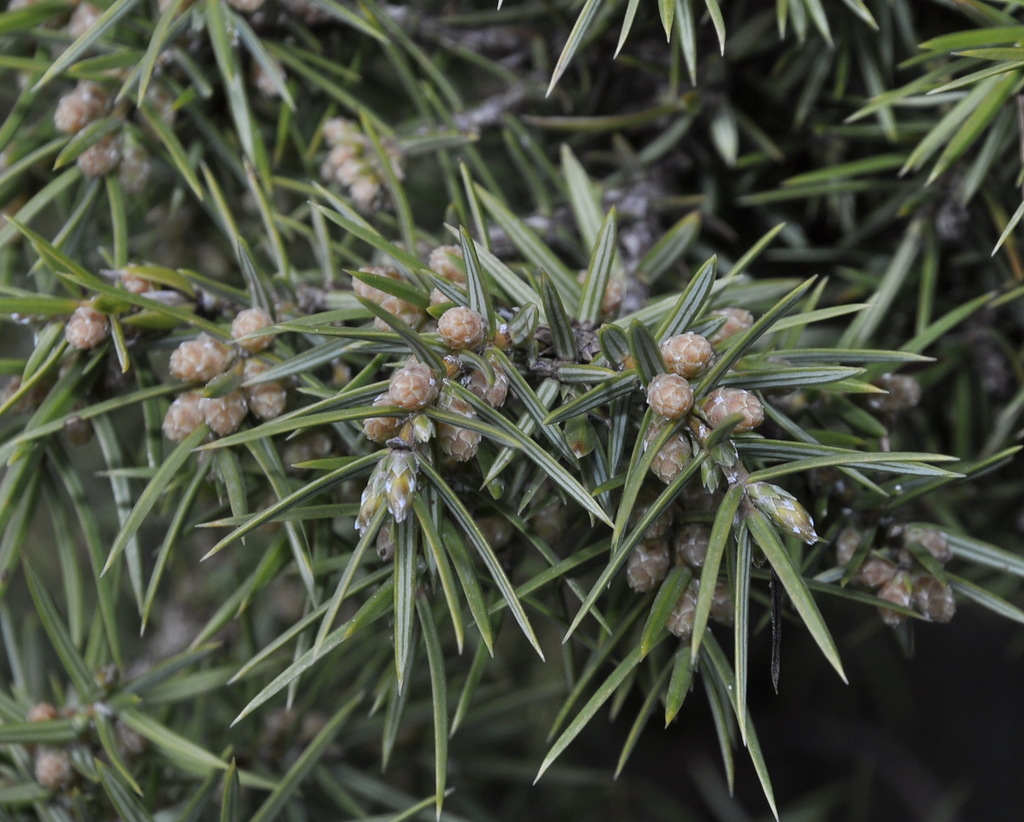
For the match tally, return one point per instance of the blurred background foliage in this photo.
(875, 145)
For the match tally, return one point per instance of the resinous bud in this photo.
(400, 483)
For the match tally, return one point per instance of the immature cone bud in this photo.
(101, 157)
(266, 400)
(931, 539)
(338, 131)
(494, 394)
(200, 360)
(461, 327)
(86, 328)
(381, 429)
(184, 416)
(442, 261)
(904, 393)
(457, 442)
(680, 621)
(783, 509)
(413, 387)
(129, 742)
(722, 609)
(687, 355)
(736, 320)
(847, 544)
(53, 768)
(670, 396)
(373, 496)
(400, 483)
(898, 591)
(224, 414)
(611, 300)
(673, 457)
(135, 168)
(405, 311)
(933, 599)
(724, 402)
(82, 19)
(691, 544)
(42, 712)
(875, 572)
(657, 529)
(248, 322)
(647, 565)
(79, 107)
(369, 292)
(312, 446)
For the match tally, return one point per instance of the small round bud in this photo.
(459, 443)
(673, 457)
(722, 609)
(79, 107)
(369, 292)
(687, 355)
(658, 529)
(498, 531)
(680, 621)
(184, 416)
(53, 768)
(135, 168)
(461, 327)
(129, 742)
(248, 322)
(933, 599)
(413, 387)
(611, 301)
(875, 572)
(339, 131)
(847, 544)
(82, 19)
(736, 321)
(101, 157)
(904, 394)
(549, 522)
(691, 544)
(446, 260)
(266, 400)
(647, 565)
(724, 402)
(42, 712)
(224, 414)
(200, 360)
(494, 394)
(313, 446)
(670, 396)
(381, 429)
(407, 312)
(898, 591)
(132, 282)
(86, 328)
(931, 539)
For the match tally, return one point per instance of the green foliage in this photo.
(382, 376)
